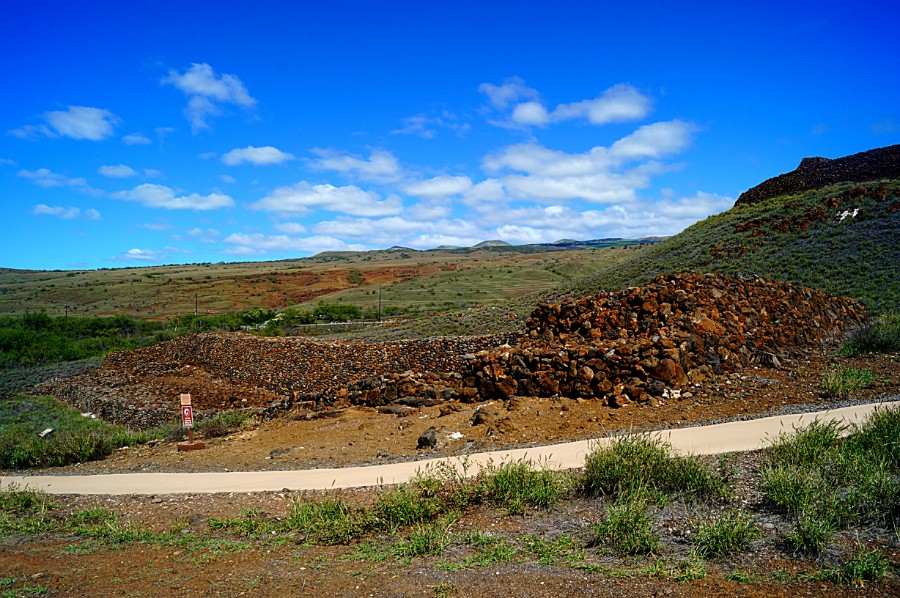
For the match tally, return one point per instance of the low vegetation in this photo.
(629, 493)
(804, 238)
(43, 432)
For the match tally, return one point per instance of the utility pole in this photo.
(379, 303)
(196, 303)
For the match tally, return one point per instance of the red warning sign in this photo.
(187, 416)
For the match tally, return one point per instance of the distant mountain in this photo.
(493, 243)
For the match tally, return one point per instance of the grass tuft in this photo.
(644, 464)
(843, 382)
(728, 534)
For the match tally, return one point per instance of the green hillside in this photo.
(800, 238)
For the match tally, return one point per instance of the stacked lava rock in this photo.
(635, 344)
(271, 375)
(814, 173)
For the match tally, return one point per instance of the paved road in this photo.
(702, 440)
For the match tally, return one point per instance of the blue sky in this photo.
(141, 133)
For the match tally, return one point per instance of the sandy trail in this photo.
(702, 440)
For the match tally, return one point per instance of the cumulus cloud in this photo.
(160, 196)
(395, 230)
(302, 197)
(135, 139)
(256, 155)
(260, 244)
(509, 92)
(118, 171)
(140, 255)
(76, 122)
(619, 103)
(602, 174)
(439, 186)
(207, 92)
(381, 166)
(66, 213)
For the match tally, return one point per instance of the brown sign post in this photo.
(187, 420)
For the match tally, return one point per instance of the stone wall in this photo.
(873, 165)
(633, 345)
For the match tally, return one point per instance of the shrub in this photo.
(879, 336)
(520, 484)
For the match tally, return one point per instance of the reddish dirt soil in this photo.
(70, 566)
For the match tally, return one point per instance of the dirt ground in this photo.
(238, 566)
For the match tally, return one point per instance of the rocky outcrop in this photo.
(813, 173)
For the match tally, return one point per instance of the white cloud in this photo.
(66, 213)
(47, 178)
(160, 196)
(426, 127)
(619, 103)
(208, 235)
(76, 122)
(135, 139)
(256, 155)
(509, 92)
(7, 162)
(395, 230)
(654, 141)
(119, 171)
(600, 174)
(206, 92)
(151, 173)
(301, 197)
(439, 186)
(141, 255)
(259, 244)
(530, 113)
(381, 166)
(291, 228)
(227, 178)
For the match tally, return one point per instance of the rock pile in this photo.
(634, 345)
(643, 342)
(881, 163)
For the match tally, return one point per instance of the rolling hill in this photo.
(844, 238)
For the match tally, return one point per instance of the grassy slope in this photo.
(857, 257)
